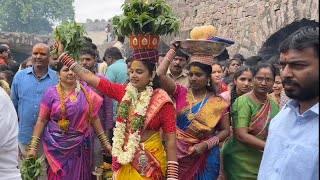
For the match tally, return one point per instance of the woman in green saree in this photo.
(251, 115)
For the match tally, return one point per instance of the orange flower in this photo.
(64, 125)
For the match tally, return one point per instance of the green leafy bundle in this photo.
(71, 36)
(32, 168)
(140, 17)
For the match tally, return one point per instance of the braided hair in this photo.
(233, 94)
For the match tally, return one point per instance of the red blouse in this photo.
(165, 117)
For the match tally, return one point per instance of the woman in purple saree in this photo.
(67, 113)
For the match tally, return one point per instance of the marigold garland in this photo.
(131, 99)
(64, 123)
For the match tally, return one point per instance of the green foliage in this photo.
(137, 123)
(123, 109)
(32, 168)
(71, 36)
(146, 18)
(34, 16)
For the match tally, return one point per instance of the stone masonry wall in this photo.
(248, 22)
(22, 42)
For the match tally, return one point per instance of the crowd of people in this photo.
(180, 117)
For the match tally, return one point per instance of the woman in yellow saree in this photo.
(144, 108)
(251, 115)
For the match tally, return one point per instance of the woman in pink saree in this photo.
(67, 112)
(202, 119)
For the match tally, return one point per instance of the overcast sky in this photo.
(96, 9)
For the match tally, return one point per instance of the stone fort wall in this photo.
(248, 22)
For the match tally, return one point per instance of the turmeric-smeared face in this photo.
(40, 55)
(196, 69)
(139, 74)
(198, 79)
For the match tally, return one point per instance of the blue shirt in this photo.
(292, 147)
(26, 94)
(117, 73)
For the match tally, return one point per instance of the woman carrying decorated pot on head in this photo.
(202, 116)
(144, 108)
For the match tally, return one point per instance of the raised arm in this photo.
(80, 71)
(86, 75)
(166, 83)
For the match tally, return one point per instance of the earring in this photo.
(150, 83)
(208, 83)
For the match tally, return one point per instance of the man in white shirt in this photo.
(8, 139)
(292, 147)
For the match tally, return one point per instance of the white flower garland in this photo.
(125, 155)
(78, 88)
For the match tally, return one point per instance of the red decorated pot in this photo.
(144, 41)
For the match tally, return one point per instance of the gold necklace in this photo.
(258, 99)
(191, 100)
(73, 97)
(64, 123)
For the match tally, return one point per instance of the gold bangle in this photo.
(35, 141)
(35, 137)
(31, 148)
(103, 139)
(100, 134)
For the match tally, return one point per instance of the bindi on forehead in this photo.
(284, 57)
(40, 50)
(195, 69)
(265, 72)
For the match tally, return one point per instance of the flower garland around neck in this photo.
(140, 104)
(64, 123)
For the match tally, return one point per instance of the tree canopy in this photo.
(34, 16)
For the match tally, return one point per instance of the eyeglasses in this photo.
(260, 79)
